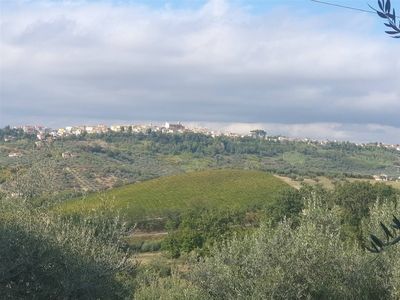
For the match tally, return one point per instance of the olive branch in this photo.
(377, 245)
(384, 13)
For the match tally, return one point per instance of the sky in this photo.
(295, 68)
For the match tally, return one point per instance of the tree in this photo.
(384, 12)
(199, 228)
(259, 134)
(310, 261)
(46, 253)
(286, 204)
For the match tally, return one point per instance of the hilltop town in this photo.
(43, 132)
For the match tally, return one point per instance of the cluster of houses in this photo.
(389, 146)
(384, 177)
(166, 128)
(43, 133)
(80, 129)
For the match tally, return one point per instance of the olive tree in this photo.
(46, 253)
(310, 261)
(382, 237)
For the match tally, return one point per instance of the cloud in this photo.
(102, 61)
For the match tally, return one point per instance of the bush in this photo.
(136, 247)
(151, 246)
(160, 280)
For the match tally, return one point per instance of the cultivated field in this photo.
(219, 189)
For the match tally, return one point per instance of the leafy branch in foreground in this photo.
(377, 245)
(384, 13)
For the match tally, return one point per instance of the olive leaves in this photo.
(377, 245)
(384, 13)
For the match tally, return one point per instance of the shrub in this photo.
(151, 246)
(168, 288)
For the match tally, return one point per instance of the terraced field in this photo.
(220, 189)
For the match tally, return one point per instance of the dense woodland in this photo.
(306, 243)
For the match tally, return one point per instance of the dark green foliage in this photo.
(288, 203)
(355, 200)
(197, 229)
(377, 245)
(356, 197)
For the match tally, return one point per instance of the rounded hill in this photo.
(220, 189)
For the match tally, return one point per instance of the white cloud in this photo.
(102, 61)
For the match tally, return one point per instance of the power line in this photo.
(343, 6)
(390, 17)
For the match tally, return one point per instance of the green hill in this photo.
(220, 189)
(101, 161)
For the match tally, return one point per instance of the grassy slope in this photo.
(218, 188)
